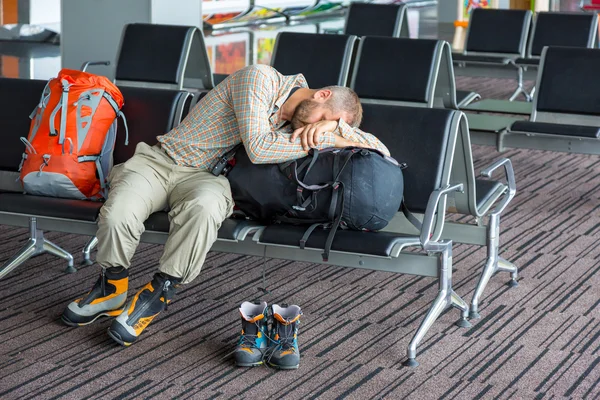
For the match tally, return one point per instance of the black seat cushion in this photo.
(152, 53)
(417, 136)
(528, 61)
(230, 228)
(372, 19)
(561, 29)
(149, 113)
(470, 58)
(19, 98)
(485, 25)
(556, 129)
(79, 210)
(296, 53)
(373, 243)
(485, 190)
(569, 82)
(378, 78)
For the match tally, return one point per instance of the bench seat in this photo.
(476, 59)
(87, 211)
(40, 206)
(347, 241)
(534, 62)
(556, 129)
(230, 229)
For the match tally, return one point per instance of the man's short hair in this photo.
(346, 100)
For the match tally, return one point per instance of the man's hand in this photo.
(310, 134)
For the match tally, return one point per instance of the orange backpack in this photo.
(68, 152)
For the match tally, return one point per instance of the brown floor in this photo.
(540, 340)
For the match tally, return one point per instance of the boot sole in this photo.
(115, 336)
(284, 367)
(68, 322)
(249, 364)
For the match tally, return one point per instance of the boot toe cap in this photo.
(248, 357)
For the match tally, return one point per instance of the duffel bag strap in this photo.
(308, 232)
(334, 227)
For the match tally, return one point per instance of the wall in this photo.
(103, 22)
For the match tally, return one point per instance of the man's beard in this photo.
(302, 113)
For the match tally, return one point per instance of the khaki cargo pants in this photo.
(197, 202)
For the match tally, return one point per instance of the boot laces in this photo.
(247, 340)
(285, 342)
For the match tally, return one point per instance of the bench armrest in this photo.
(88, 63)
(430, 211)
(510, 178)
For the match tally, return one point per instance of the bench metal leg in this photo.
(520, 87)
(36, 245)
(446, 298)
(494, 264)
(87, 250)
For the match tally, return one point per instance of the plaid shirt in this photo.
(245, 108)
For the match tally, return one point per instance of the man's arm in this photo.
(344, 136)
(358, 136)
(252, 93)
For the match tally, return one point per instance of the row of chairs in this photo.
(178, 58)
(434, 142)
(565, 115)
(521, 43)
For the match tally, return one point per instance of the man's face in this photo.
(311, 111)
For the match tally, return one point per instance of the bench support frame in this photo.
(445, 299)
(494, 264)
(35, 246)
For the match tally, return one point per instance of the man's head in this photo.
(329, 103)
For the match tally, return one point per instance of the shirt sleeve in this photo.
(356, 135)
(252, 93)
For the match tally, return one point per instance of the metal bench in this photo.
(428, 182)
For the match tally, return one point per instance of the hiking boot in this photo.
(107, 298)
(283, 344)
(142, 309)
(253, 341)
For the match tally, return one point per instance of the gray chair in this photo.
(162, 56)
(566, 29)
(484, 200)
(424, 79)
(426, 143)
(365, 19)
(566, 107)
(428, 81)
(485, 47)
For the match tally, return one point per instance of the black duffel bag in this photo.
(352, 188)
